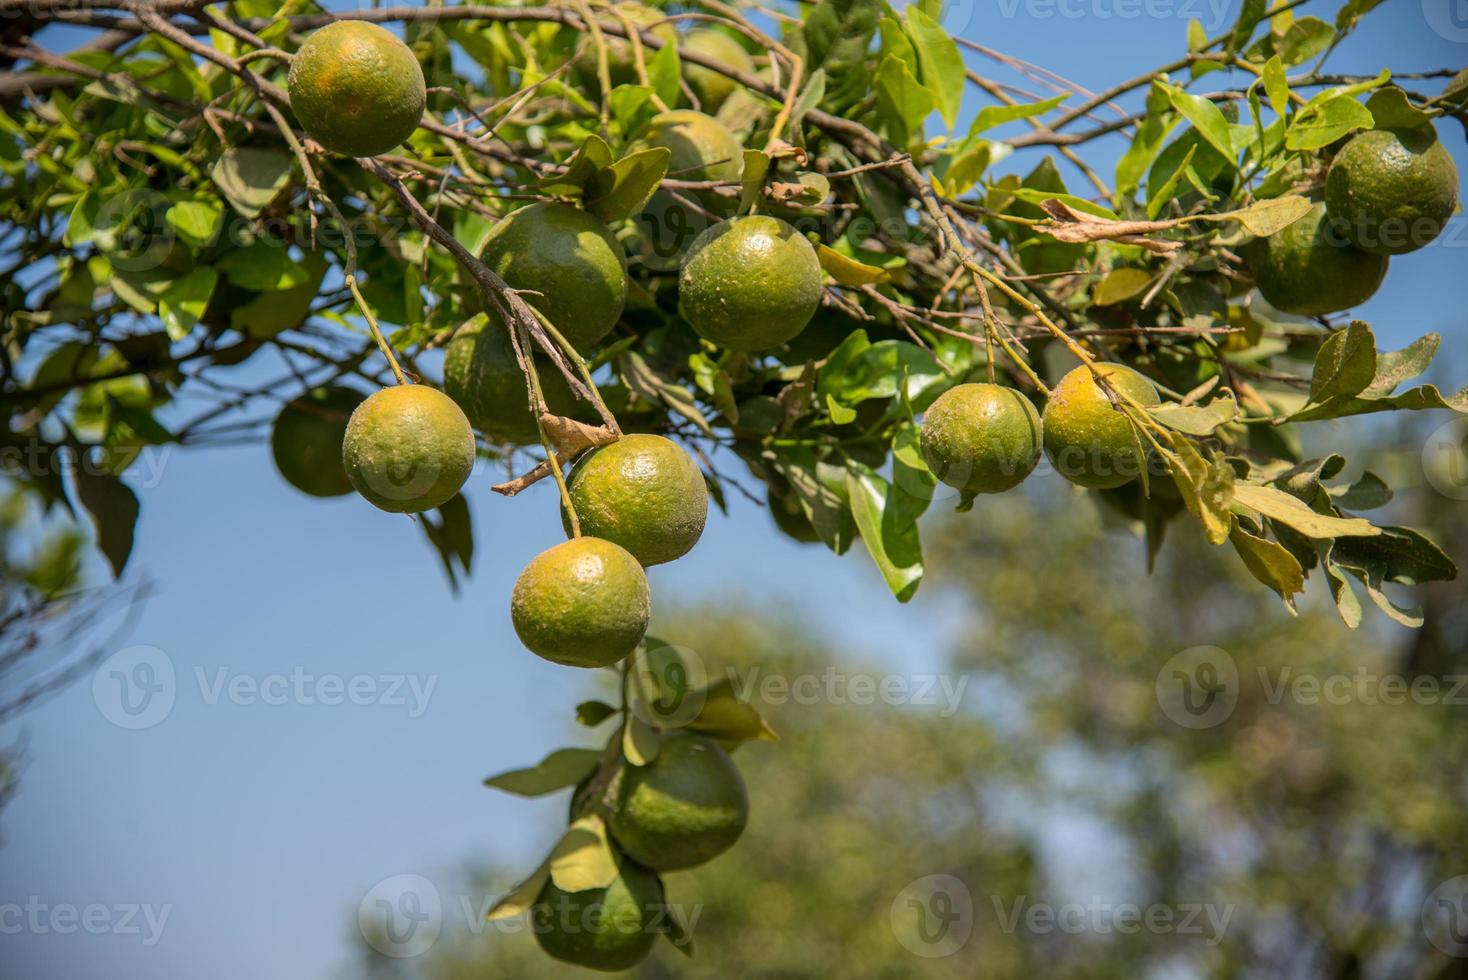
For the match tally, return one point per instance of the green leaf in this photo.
(271, 312)
(1120, 285)
(1305, 38)
(1354, 10)
(452, 537)
(1345, 363)
(623, 189)
(942, 65)
(251, 177)
(1392, 368)
(664, 70)
(1367, 493)
(263, 266)
(195, 221)
(1270, 563)
(593, 713)
(810, 97)
(114, 509)
(1197, 420)
(1267, 217)
(835, 38)
(582, 859)
(893, 543)
(724, 715)
(1251, 12)
(647, 384)
(848, 271)
(1206, 486)
(640, 742)
(1399, 554)
(562, 768)
(820, 488)
(1206, 117)
(522, 897)
(1294, 513)
(879, 371)
(752, 179)
(997, 115)
(1151, 133)
(678, 932)
(1320, 124)
(1278, 86)
(183, 302)
(1391, 109)
(593, 156)
(904, 101)
(1159, 197)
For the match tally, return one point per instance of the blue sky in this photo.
(262, 826)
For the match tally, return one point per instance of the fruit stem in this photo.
(382, 343)
(538, 406)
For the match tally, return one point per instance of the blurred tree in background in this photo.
(1301, 838)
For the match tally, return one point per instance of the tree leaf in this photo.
(1206, 117)
(991, 116)
(1197, 420)
(821, 490)
(593, 713)
(1119, 285)
(1277, 85)
(724, 715)
(624, 188)
(1206, 486)
(941, 64)
(891, 541)
(582, 859)
(1320, 124)
(848, 271)
(522, 896)
(1293, 512)
(1345, 363)
(1266, 217)
(1391, 109)
(195, 221)
(1270, 563)
(114, 509)
(904, 101)
(182, 304)
(250, 177)
(592, 157)
(562, 768)
(1398, 554)
(640, 742)
(836, 37)
(752, 179)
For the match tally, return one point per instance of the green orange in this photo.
(480, 372)
(306, 440)
(749, 283)
(981, 438)
(1392, 191)
(408, 449)
(701, 148)
(570, 259)
(1089, 440)
(683, 808)
(609, 928)
(643, 492)
(583, 603)
(357, 89)
(712, 87)
(1310, 270)
(621, 66)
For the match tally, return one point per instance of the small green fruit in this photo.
(607, 929)
(1310, 270)
(408, 449)
(1089, 441)
(750, 283)
(1390, 192)
(306, 440)
(643, 492)
(583, 603)
(575, 264)
(481, 374)
(357, 89)
(981, 438)
(683, 808)
(711, 87)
